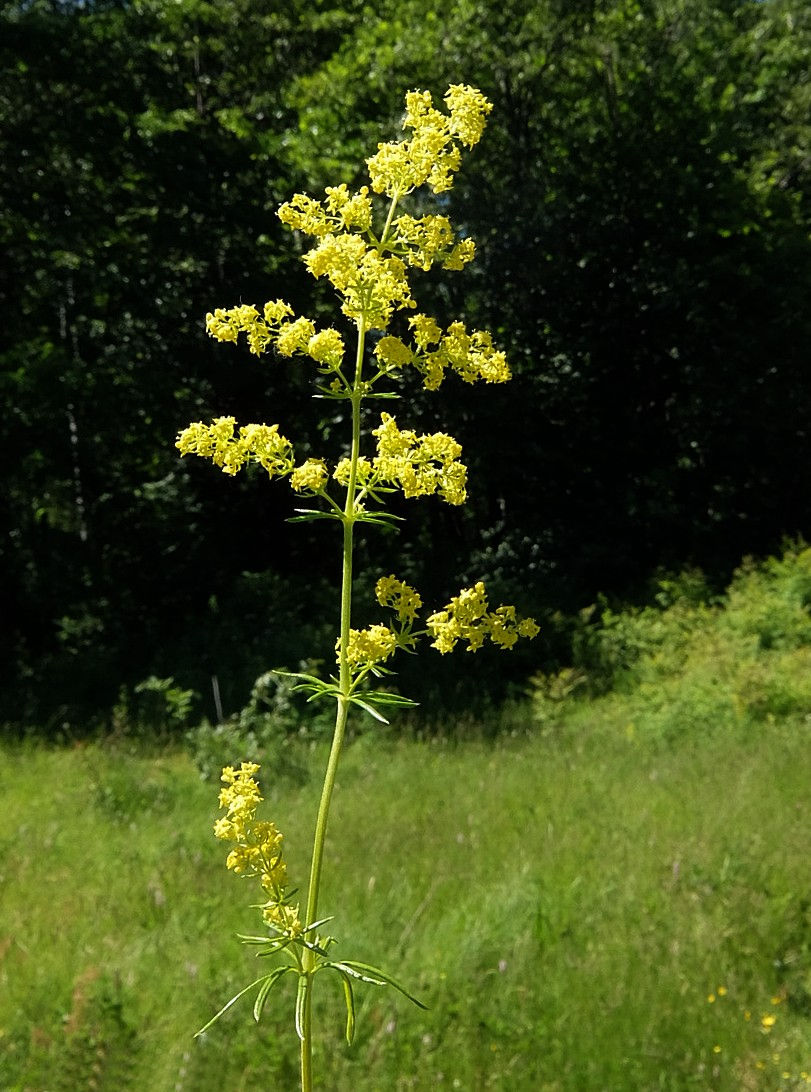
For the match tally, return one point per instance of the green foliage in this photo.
(650, 266)
(275, 729)
(154, 707)
(692, 666)
(641, 207)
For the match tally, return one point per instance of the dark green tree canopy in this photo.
(640, 205)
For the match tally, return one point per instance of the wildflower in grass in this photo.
(767, 1021)
(368, 256)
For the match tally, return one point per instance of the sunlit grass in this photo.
(565, 905)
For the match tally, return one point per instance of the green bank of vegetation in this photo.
(606, 889)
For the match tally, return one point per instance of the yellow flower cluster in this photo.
(325, 347)
(400, 597)
(369, 273)
(392, 354)
(424, 241)
(432, 154)
(311, 476)
(340, 211)
(471, 356)
(372, 286)
(261, 444)
(257, 850)
(466, 618)
(368, 646)
(363, 473)
(419, 465)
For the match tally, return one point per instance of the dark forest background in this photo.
(641, 206)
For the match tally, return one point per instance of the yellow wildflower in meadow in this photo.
(366, 248)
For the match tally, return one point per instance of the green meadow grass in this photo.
(613, 893)
(565, 903)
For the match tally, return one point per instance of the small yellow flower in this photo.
(393, 353)
(226, 325)
(420, 465)
(326, 347)
(257, 849)
(429, 239)
(282, 917)
(363, 471)
(767, 1021)
(369, 646)
(399, 596)
(468, 109)
(304, 213)
(426, 330)
(294, 337)
(261, 444)
(275, 311)
(310, 476)
(466, 618)
(431, 155)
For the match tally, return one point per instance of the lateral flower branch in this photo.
(366, 247)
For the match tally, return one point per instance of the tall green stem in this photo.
(345, 681)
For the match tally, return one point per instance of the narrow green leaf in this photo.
(298, 675)
(265, 988)
(349, 998)
(310, 514)
(369, 709)
(328, 692)
(344, 966)
(380, 518)
(228, 1005)
(316, 924)
(301, 997)
(361, 970)
(383, 697)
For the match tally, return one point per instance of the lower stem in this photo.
(315, 882)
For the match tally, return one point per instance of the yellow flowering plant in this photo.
(365, 246)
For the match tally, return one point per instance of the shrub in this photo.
(693, 664)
